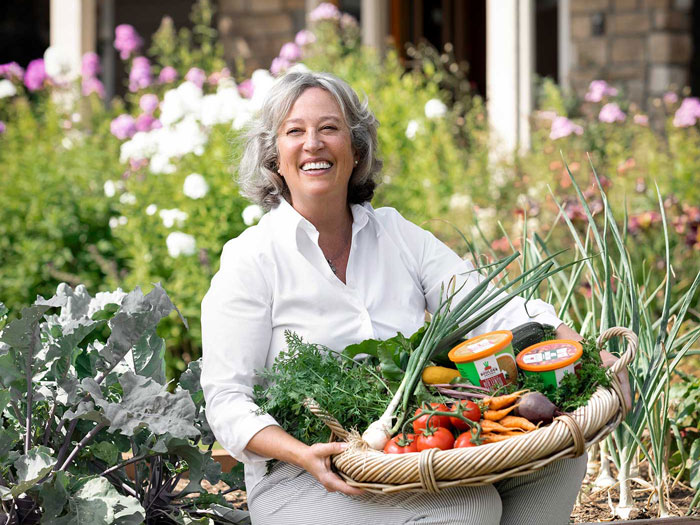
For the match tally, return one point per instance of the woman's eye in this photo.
(293, 131)
(331, 128)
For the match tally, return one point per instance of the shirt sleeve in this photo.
(236, 332)
(437, 264)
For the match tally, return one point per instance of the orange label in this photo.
(550, 354)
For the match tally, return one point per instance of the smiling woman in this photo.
(323, 263)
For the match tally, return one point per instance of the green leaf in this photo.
(695, 464)
(201, 465)
(228, 515)
(54, 496)
(31, 467)
(4, 399)
(98, 503)
(106, 451)
(146, 403)
(9, 437)
(235, 477)
(149, 357)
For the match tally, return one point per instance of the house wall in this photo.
(256, 30)
(642, 46)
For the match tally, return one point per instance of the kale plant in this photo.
(82, 395)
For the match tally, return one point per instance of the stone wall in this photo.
(255, 30)
(641, 46)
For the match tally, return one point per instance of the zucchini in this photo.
(529, 334)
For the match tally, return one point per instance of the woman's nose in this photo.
(311, 141)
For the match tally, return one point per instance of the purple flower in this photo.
(11, 70)
(167, 75)
(140, 74)
(610, 113)
(91, 65)
(3, 128)
(279, 64)
(688, 113)
(304, 37)
(324, 11)
(196, 76)
(670, 97)
(290, 51)
(146, 122)
(148, 103)
(599, 89)
(641, 120)
(35, 75)
(123, 127)
(563, 127)
(127, 40)
(92, 85)
(246, 88)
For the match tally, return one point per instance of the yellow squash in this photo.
(433, 375)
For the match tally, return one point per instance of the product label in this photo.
(549, 354)
(490, 374)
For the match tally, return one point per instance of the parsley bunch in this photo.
(351, 392)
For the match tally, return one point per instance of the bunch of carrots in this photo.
(463, 424)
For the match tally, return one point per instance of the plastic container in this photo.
(551, 360)
(487, 360)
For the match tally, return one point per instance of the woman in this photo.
(326, 265)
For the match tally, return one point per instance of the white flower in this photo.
(56, 63)
(460, 201)
(122, 220)
(172, 217)
(179, 243)
(299, 67)
(110, 188)
(66, 142)
(435, 108)
(251, 214)
(412, 129)
(127, 198)
(7, 88)
(113, 222)
(195, 187)
(186, 99)
(161, 164)
(151, 209)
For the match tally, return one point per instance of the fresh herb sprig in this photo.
(575, 390)
(350, 391)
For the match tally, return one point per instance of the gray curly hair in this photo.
(258, 178)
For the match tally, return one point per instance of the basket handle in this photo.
(632, 343)
(328, 419)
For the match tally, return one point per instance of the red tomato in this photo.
(394, 447)
(464, 440)
(439, 437)
(470, 410)
(435, 421)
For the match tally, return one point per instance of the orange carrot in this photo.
(513, 422)
(492, 426)
(499, 402)
(493, 438)
(497, 415)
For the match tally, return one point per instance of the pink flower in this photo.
(324, 11)
(90, 65)
(563, 127)
(670, 97)
(140, 74)
(688, 113)
(290, 51)
(36, 75)
(91, 85)
(218, 76)
(146, 122)
(610, 113)
(196, 76)
(304, 37)
(3, 128)
(246, 88)
(127, 40)
(279, 64)
(148, 103)
(11, 70)
(167, 75)
(123, 127)
(641, 120)
(599, 89)
(347, 20)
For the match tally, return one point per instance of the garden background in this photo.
(115, 195)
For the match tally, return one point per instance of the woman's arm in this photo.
(274, 442)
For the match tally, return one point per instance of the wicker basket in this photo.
(431, 470)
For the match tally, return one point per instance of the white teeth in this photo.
(316, 165)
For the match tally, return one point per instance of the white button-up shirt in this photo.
(274, 277)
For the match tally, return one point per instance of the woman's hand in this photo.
(317, 462)
(564, 332)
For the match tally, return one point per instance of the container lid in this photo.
(480, 346)
(549, 355)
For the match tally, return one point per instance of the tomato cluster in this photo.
(436, 431)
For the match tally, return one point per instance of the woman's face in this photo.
(315, 150)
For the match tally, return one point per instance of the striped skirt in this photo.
(291, 496)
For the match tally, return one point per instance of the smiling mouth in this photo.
(315, 166)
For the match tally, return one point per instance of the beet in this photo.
(535, 407)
